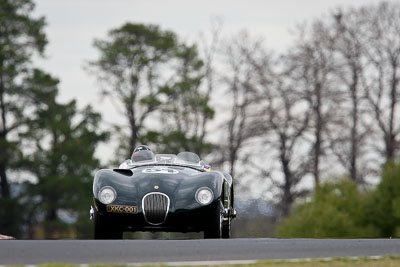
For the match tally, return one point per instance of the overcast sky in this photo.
(72, 25)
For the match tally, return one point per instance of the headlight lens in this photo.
(107, 195)
(204, 195)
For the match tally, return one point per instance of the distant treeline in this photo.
(326, 107)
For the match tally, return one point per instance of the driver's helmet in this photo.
(142, 153)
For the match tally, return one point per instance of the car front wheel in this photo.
(226, 228)
(214, 227)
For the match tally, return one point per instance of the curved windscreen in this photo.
(165, 158)
(183, 158)
(188, 157)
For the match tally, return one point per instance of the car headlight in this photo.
(107, 195)
(204, 195)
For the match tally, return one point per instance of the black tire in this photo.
(226, 228)
(214, 227)
(104, 229)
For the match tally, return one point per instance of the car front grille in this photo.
(155, 207)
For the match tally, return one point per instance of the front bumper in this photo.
(177, 220)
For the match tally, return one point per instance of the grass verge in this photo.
(384, 261)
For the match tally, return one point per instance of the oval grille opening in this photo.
(155, 207)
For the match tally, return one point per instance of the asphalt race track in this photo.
(141, 251)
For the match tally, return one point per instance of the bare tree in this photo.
(286, 118)
(209, 54)
(267, 113)
(241, 97)
(382, 47)
(329, 64)
(310, 63)
(350, 146)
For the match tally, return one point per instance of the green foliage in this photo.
(340, 210)
(186, 110)
(337, 210)
(131, 56)
(384, 205)
(21, 35)
(10, 217)
(147, 71)
(131, 68)
(64, 140)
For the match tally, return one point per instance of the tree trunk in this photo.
(133, 128)
(391, 135)
(5, 186)
(354, 129)
(318, 133)
(287, 198)
(132, 137)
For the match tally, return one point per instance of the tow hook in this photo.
(226, 212)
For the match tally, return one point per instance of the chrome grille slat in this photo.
(155, 207)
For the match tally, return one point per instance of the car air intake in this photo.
(155, 207)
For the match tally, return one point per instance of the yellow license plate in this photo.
(122, 209)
